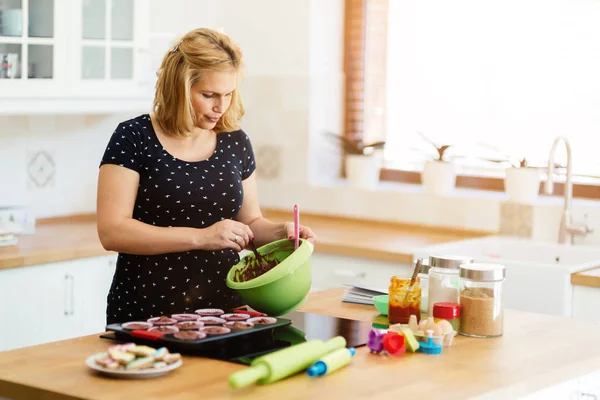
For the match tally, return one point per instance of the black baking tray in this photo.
(255, 339)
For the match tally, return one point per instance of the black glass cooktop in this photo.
(304, 327)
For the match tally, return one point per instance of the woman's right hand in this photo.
(226, 234)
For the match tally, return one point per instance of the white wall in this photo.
(293, 94)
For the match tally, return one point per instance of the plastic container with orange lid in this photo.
(448, 311)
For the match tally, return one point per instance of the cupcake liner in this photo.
(209, 312)
(235, 317)
(215, 330)
(135, 325)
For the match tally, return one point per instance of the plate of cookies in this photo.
(130, 360)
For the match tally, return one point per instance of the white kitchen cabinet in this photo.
(586, 303)
(54, 301)
(69, 53)
(334, 271)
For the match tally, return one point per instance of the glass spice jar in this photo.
(424, 277)
(444, 279)
(404, 300)
(481, 300)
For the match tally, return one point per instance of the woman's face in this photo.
(211, 97)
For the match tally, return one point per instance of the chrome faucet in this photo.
(568, 228)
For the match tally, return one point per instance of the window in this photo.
(494, 79)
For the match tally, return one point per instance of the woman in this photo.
(177, 195)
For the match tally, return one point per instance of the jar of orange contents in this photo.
(404, 300)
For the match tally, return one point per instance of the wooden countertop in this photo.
(589, 278)
(56, 239)
(61, 239)
(536, 351)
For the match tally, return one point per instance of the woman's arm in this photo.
(118, 231)
(266, 231)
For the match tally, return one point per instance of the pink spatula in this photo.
(296, 227)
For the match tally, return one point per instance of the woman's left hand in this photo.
(305, 232)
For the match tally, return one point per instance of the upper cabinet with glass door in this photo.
(29, 45)
(74, 49)
(112, 46)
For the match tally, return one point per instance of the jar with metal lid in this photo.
(444, 280)
(481, 300)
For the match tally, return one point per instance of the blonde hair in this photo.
(182, 66)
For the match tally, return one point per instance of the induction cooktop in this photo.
(304, 327)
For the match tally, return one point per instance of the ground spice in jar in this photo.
(481, 315)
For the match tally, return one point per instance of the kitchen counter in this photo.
(56, 239)
(589, 278)
(536, 351)
(62, 239)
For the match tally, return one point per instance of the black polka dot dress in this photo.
(173, 192)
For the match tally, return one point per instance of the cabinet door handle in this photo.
(72, 295)
(67, 284)
(69, 294)
(589, 396)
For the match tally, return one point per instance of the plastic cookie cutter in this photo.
(375, 341)
(430, 347)
(386, 343)
(394, 344)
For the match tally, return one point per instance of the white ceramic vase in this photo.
(522, 184)
(439, 177)
(363, 171)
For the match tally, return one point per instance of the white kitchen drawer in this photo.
(585, 303)
(589, 387)
(54, 301)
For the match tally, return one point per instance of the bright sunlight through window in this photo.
(492, 78)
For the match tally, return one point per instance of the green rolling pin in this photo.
(283, 363)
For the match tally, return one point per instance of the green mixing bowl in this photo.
(285, 287)
(381, 303)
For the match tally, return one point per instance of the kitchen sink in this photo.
(538, 274)
(505, 249)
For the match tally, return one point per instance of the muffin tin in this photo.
(216, 331)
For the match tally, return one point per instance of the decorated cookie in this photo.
(238, 325)
(140, 363)
(235, 317)
(162, 320)
(211, 320)
(189, 335)
(164, 329)
(215, 330)
(122, 357)
(143, 351)
(105, 361)
(262, 320)
(137, 325)
(185, 317)
(209, 312)
(172, 357)
(160, 354)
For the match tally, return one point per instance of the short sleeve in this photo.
(123, 148)
(249, 163)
